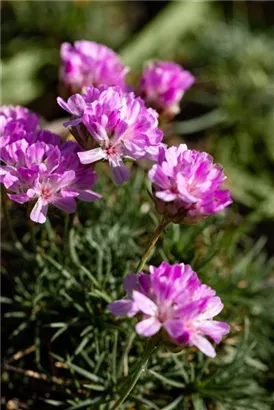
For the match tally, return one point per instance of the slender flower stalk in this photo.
(162, 225)
(150, 347)
(31, 228)
(152, 343)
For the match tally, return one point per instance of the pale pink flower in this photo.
(173, 299)
(186, 185)
(163, 85)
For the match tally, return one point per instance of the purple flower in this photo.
(173, 299)
(118, 123)
(76, 106)
(46, 174)
(163, 85)
(17, 112)
(16, 122)
(88, 63)
(186, 185)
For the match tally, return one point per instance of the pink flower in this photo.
(46, 174)
(163, 85)
(186, 184)
(16, 122)
(88, 63)
(173, 299)
(118, 123)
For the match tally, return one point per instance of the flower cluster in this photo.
(112, 124)
(16, 122)
(38, 167)
(186, 185)
(163, 85)
(117, 122)
(87, 63)
(172, 298)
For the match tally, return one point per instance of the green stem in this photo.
(31, 228)
(150, 347)
(164, 222)
(8, 220)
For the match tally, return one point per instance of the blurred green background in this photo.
(227, 45)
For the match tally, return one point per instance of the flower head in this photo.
(163, 85)
(16, 122)
(186, 185)
(46, 174)
(87, 63)
(173, 299)
(119, 125)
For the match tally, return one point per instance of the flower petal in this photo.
(148, 327)
(63, 104)
(39, 212)
(121, 307)
(19, 198)
(213, 308)
(87, 195)
(204, 345)
(214, 329)
(130, 283)
(76, 104)
(67, 205)
(176, 331)
(166, 196)
(145, 304)
(62, 181)
(119, 171)
(8, 180)
(92, 155)
(69, 193)
(73, 122)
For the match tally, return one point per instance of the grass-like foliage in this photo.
(65, 350)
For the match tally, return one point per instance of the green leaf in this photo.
(174, 404)
(198, 402)
(15, 314)
(170, 24)
(53, 402)
(85, 373)
(84, 404)
(4, 299)
(211, 119)
(165, 380)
